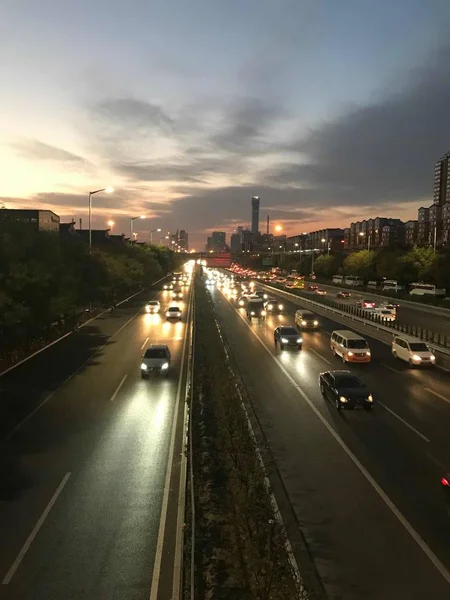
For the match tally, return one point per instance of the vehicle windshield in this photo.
(357, 344)
(155, 353)
(349, 382)
(419, 347)
(288, 331)
(153, 303)
(174, 309)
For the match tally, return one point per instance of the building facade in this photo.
(37, 220)
(255, 215)
(441, 187)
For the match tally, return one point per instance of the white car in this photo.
(411, 350)
(168, 286)
(153, 306)
(173, 312)
(384, 314)
(155, 359)
(177, 294)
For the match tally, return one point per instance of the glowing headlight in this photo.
(343, 399)
(368, 353)
(299, 340)
(179, 314)
(316, 322)
(147, 309)
(432, 357)
(370, 398)
(265, 296)
(416, 358)
(284, 341)
(144, 367)
(350, 354)
(252, 313)
(303, 322)
(165, 366)
(166, 287)
(280, 307)
(263, 313)
(270, 306)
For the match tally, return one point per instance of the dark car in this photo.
(274, 306)
(345, 390)
(343, 295)
(287, 337)
(255, 309)
(313, 288)
(261, 295)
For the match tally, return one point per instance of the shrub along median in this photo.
(240, 546)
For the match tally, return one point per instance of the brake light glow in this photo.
(445, 481)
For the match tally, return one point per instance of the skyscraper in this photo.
(218, 241)
(441, 188)
(183, 239)
(255, 215)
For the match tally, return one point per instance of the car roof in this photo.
(153, 301)
(408, 338)
(157, 347)
(174, 308)
(348, 333)
(291, 327)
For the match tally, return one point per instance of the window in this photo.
(357, 344)
(156, 353)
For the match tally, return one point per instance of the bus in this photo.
(391, 285)
(353, 280)
(338, 279)
(425, 289)
(295, 282)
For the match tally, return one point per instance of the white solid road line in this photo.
(437, 394)
(9, 575)
(404, 422)
(144, 344)
(391, 368)
(382, 494)
(162, 524)
(113, 397)
(319, 355)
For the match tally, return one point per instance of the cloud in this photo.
(36, 150)
(382, 152)
(131, 112)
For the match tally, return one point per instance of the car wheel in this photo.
(338, 404)
(343, 359)
(299, 347)
(281, 346)
(394, 354)
(322, 389)
(333, 351)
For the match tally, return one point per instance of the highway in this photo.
(417, 314)
(89, 477)
(364, 486)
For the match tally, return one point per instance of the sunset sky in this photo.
(329, 111)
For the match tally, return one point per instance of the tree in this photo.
(361, 264)
(327, 265)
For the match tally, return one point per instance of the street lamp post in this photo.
(152, 232)
(108, 190)
(323, 240)
(132, 219)
(362, 234)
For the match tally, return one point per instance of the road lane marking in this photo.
(162, 524)
(10, 574)
(319, 355)
(404, 422)
(144, 344)
(381, 493)
(437, 394)
(113, 397)
(391, 368)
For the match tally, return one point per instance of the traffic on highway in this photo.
(369, 487)
(92, 431)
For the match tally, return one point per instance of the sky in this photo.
(329, 111)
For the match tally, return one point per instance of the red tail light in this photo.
(445, 481)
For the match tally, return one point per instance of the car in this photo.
(305, 319)
(155, 359)
(168, 286)
(320, 292)
(313, 287)
(173, 312)
(242, 301)
(389, 306)
(384, 314)
(366, 304)
(177, 294)
(412, 350)
(255, 308)
(261, 295)
(287, 336)
(273, 305)
(152, 306)
(345, 390)
(343, 294)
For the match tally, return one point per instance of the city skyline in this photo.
(188, 132)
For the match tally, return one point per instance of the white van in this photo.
(412, 350)
(350, 346)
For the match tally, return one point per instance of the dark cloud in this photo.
(383, 152)
(126, 112)
(36, 150)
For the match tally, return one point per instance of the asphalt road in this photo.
(82, 478)
(364, 486)
(418, 315)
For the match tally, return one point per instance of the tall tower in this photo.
(255, 215)
(441, 189)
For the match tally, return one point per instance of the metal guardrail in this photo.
(413, 330)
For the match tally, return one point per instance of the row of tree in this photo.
(417, 264)
(46, 278)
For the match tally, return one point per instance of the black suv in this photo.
(345, 390)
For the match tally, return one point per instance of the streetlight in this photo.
(131, 223)
(152, 232)
(362, 234)
(323, 240)
(108, 190)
